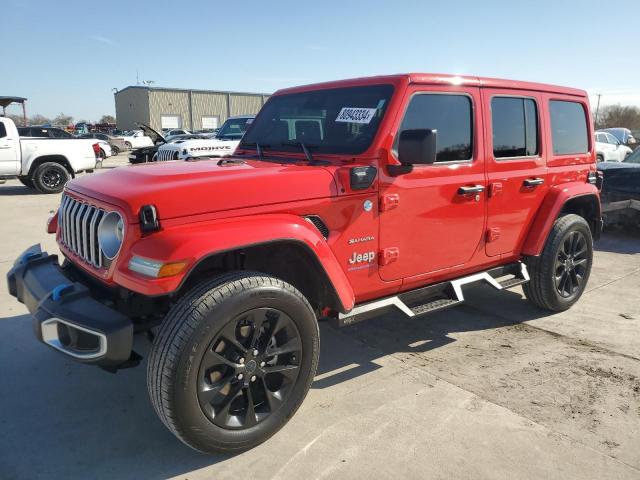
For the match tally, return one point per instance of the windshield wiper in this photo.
(259, 147)
(305, 148)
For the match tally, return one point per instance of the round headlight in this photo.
(110, 234)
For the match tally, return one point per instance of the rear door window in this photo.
(450, 115)
(3, 130)
(515, 127)
(568, 128)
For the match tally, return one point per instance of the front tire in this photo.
(50, 177)
(233, 361)
(560, 274)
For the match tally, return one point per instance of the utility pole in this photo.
(597, 109)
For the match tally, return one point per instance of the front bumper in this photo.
(65, 314)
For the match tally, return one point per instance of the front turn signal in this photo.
(155, 268)
(171, 269)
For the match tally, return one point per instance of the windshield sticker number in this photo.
(356, 115)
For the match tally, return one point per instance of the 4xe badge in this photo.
(361, 260)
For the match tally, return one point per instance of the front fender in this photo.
(196, 241)
(551, 207)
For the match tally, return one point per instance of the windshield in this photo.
(234, 128)
(634, 157)
(340, 120)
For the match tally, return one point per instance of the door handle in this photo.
(469, 190)
(5, 146)
(533, 182)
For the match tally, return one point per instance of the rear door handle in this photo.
(470, 190)
(533, 182)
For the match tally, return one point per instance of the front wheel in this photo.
(50, 177)
(233, 361)
(560, 274)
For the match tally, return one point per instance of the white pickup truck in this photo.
(45, 164)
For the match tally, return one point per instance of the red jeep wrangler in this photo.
(343, 199)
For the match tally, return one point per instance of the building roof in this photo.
(168, 89)
(5, 101)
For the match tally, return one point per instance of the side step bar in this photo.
(436, 297)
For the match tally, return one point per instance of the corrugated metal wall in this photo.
(148, 105)
(132, 105)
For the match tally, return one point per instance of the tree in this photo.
(108, 119)
(17, 119)
(619, 116)
(62, 119)
(38, 119)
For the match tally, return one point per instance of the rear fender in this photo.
(195, 242)
(556, 199)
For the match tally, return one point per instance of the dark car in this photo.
(43, 132)
(621, 190)
(117, 144)
(145, 154)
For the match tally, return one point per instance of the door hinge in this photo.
(493, 234)
(388, 255)
(389, 201)
(495, 188)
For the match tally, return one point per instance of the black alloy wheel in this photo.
(571, 264)
(249, 368)
(50, 177)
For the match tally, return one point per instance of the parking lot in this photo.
(492, 389)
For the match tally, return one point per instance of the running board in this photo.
(436, 297)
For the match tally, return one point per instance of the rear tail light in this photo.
(96, 149)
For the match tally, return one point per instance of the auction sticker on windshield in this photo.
(356, 115)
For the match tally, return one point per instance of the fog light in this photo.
(155, 268)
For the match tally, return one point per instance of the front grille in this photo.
(164, 155)
(78, 223)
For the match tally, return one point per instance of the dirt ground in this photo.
(494, 388)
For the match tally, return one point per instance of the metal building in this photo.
(181, 108)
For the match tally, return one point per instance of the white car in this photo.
(45, 164)
(174, 131)
(136, 139)
(105, 149)
(609, 148)
(223, 144)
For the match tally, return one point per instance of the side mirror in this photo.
(417, 147)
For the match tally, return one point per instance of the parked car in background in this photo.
(174, 131)
(623, 135)
(222, 144)
(105, 149)
(43, 132)
(147, 154)
(621, 190)
(137, 139)
(45, 164)
(609, 148)
(116, 143)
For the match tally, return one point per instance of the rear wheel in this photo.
(599, 158)
(560, 274)
(128, 145)
(233, 361)
(50, 177)
(115, 150)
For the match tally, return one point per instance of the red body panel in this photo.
(402, 232)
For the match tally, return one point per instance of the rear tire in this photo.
(128, 145)
(115, 151)
(599, 158)
(50, 177)
(233, 361)
(560, 274)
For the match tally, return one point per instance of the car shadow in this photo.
(14, 190)
(62, 419)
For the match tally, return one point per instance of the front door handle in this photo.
(6, 146)
(533, 182)
(470, 190)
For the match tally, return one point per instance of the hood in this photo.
(179, 189)
(151, 133)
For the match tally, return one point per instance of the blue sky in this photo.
(67, 56)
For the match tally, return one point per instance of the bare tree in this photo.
(17, 119)
(108, 119)
(619, 116)
(38, 119)
(62, 119)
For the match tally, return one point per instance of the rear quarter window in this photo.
(3, 131)
(568, 128)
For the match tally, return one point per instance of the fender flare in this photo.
(551, 207)
(196, 242)
(36, 160)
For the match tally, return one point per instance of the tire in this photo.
(115, 151)
(560, 274)
(102, 154)
(202, 371)
(128, 145)
(27, 182)
(599, 158)
(50, 177)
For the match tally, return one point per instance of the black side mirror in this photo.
(417, 147)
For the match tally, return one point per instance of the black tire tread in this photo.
(540, 267)
(177, 328)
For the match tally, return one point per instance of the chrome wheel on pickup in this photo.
(233, 361)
